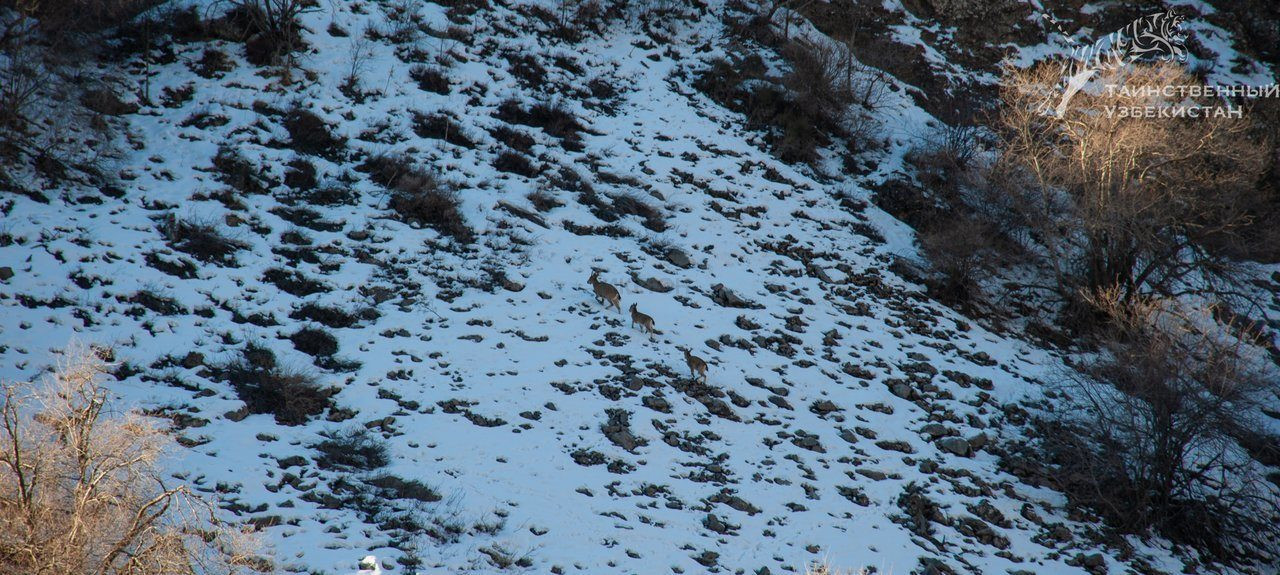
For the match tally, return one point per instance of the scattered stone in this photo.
(678, 258)
(291, 461)
(823, 407)
(901, 389)
(715, 524)
(936, 430)
(511, 285)
(955, 446)
(192, 360)
(726, 298)
(618, 430)
(6, 273)
(652, 284)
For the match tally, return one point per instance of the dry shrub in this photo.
(274, 32)
(825, 94)
(202, 239)
(430, 78)
(825, 567)
(1148, 438)
(81, 489)
(309, 133)
(554, 119)
(515, 163)
(355, 448)
(962, 254)
(62, 16)
(418, 196)
(1132, 204)
(292, 395)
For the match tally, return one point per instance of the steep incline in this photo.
(845, 415)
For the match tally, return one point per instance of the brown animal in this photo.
(697, 365)
(644, 320)
(605, 292)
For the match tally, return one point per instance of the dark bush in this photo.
(515, 163)
(631, 204)
(801, 111)
(85, 15)
(960, 251)
(516, 139)
(310, 134)
(272, 27)
(155, 302)
(417, 196)
(177, 267)
(331, 316)
(307, 218)
(238, 172)
(395, 487)
(214, 63)
(430, 79)
(293, 282)
(292, 396)
(355, 448)
(553, 119)
(301, 174)
(202, 240)
(314, 341)
(1153, 443)
(330, 195)
(543, 201)
(440, 127)
(526, 68)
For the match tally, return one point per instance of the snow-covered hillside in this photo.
(528, 428)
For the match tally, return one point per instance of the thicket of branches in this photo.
(1137, 229)
(1150, 439)
(1103, 203)
(81, 491)
(1139, 205)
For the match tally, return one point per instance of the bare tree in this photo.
(1150, 440)
(1115, 202)
(80, 490)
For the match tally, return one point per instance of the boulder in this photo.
(652, 284)
(955, 446)
(726, 298)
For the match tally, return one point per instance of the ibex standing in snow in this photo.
(605, 292)
(643, 320)
(697, 365)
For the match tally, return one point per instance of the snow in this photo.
(550, 348)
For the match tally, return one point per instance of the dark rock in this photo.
(292, 461)
(192, 360)
(955, 446)
(726, 298)
(511, 285)
(936, 430)
(823, 407)
(652, 284)
(678, 258)
(713, 523)
(6, 273)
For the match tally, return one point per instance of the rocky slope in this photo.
(474, 407)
